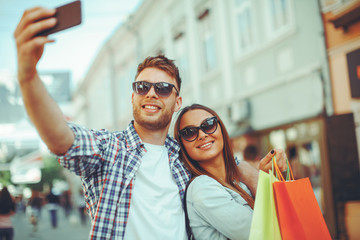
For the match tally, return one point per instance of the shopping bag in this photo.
(298, 212)
(264, 223)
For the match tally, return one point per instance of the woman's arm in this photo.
(209, 203)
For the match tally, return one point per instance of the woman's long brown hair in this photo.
(232, 172)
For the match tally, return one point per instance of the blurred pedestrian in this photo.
(53, 202)
(66, 203)
(20, 205)
(7, 209)
(251, 155)
(81, 205)
(35, 204)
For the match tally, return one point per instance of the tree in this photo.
(50, 172)
(5, 178)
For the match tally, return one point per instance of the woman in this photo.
(7, 209)
(219, 206)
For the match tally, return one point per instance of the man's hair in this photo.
(162, 63)
(250, 153)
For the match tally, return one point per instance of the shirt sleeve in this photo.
(217, 206)
(85, 156)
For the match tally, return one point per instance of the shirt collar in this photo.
(133, 140)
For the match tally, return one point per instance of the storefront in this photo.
(306, 148)
(324, 149)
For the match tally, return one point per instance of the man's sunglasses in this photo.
(208, 126)
(162, 89)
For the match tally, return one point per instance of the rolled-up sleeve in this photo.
(85, 155)
(224, 212)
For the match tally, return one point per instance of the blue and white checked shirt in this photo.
(107, 163)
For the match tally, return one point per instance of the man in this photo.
(133, 180)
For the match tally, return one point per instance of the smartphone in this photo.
(68, 15)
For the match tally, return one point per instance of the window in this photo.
(279, 16)
(181, 54)
(244, 25)
(327, 3)
(208, 44)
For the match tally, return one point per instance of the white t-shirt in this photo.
(155, 209)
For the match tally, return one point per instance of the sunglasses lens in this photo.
(141, 87)
(189, 133)
(163, 89)
(209, 125)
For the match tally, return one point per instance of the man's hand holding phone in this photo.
(42, 110)
(67, 16)
(30, 48)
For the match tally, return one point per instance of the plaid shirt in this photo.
(107, 163)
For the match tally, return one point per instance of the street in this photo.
(66, 229)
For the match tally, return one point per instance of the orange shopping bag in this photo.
(298, 212)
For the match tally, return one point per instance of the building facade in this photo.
(341, 20)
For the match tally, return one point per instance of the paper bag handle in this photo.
(289, 172)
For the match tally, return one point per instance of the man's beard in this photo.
(152, 124)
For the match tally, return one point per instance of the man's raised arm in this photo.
(41, 108)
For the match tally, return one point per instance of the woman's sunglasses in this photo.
(162, 89)
(208, 126)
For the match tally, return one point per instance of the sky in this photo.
(74, 49)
